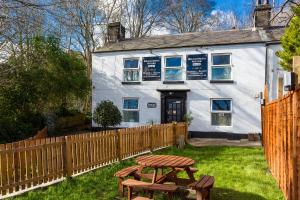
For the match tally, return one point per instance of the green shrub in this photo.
(290, 41)
(107, 114)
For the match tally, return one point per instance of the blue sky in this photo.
(239, 5)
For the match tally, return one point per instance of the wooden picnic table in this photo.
(175, 163)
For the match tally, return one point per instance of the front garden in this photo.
(241, 173)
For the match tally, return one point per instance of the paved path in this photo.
(201, 142)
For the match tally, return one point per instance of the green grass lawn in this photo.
(241, 173)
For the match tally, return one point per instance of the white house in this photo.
(217, 76)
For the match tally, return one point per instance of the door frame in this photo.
(172, 95)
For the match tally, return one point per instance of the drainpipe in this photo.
(266, 64)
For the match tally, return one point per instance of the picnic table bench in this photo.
(174, 164)
(126, 172)
(131, 183)
(203, 187)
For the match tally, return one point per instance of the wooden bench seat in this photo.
(127, 171)
(141, 198)
(123, 173)
(203, 187)
(131, 183)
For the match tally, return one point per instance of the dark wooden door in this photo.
(174, 109)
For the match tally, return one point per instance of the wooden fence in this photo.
(281, 141)
(30, 164)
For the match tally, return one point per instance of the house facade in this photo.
(214, 77)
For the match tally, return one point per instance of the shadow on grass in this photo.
(228, 194)
(217, 194)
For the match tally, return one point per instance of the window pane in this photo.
(131, 116)
(221, 105)
(221, 73)
(131, 75)
(173, 74)
(221, 59)
(221, 119)
(131, 104)
(131, 63)
(173, 62)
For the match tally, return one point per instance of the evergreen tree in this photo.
(290, 41)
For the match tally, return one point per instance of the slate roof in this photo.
(197, 39)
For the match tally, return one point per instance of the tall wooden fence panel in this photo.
(33, 163)
(281, 141)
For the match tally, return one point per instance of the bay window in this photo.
(221, 112)
(131, 110)
(173, 68)
(131, 71)
(221, 67)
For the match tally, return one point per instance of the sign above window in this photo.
(196, 67)
(152, 68)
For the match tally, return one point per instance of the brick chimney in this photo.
(115, 32)
(262, 14)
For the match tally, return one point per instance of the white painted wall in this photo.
(274, 71)
(248, 73)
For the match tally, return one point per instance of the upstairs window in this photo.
(221, 112)
(221, 67)
(173, 68)
(131, 110)
(131, 71)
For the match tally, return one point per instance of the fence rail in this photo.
(281, 141)
(30, 163)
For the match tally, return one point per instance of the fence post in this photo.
(186, 128)
(295, 190)
(151, 138)
(118, 144)
(174, 133)
(296, 68)
(68, 171)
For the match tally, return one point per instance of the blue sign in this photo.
(196, 67)
(152, 68)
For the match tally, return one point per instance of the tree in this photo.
(282, 14)
(107, 114)
(290, 41)
(183, 16)
(141, 16)
(83, 25)
(42, 78)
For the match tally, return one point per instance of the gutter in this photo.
(188, 46)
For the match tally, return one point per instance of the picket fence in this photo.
(281, 141)
(30, 164)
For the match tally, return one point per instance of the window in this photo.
(221, 112)
(173, 69)
(131, 110)
(131, 71)
(221, 67)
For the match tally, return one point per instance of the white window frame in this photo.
(178, 68)
(221, 111)
(138, 108)
(132, 69)
(222, 66)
